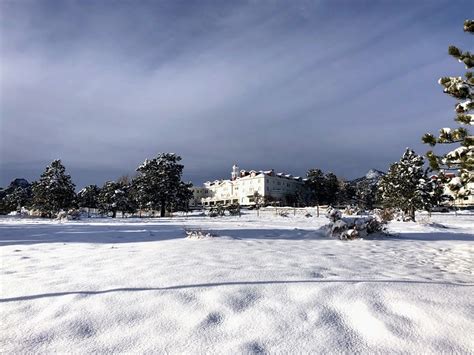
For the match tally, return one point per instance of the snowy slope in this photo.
(267, 284)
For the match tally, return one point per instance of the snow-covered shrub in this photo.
(234, 209)
(308, 215)
(349, 234)
(351, 210)
(333, 214)
(71, 215)
(385, 215)
(198, 234)
(337, 228)
(375, 225)
(283, 214)
(216, 211)
(353, 228)
(22, 213)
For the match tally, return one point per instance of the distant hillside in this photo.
(372, 177)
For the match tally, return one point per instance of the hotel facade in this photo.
(243, 184)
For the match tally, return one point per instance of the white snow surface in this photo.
(265, 284)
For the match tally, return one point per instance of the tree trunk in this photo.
(162, 210)
(114, 213)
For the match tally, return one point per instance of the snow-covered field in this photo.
(263, 284)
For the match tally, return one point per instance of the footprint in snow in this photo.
(242, 300)
(82, 330)
(212, 319)
(253, 348)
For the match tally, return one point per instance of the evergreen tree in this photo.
(316, 184)
(159, 182)
(366, 194)
(183, 196)
(116, 196)
(324, 188)
(17, 195)
(54, 191)
(407, 186)
(88, 197)
(346, 194)
(461, 159)
(331, 188)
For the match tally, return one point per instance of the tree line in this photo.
(157, 186)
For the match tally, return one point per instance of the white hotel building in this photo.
(242, 186)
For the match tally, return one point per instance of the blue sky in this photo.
(343, 86)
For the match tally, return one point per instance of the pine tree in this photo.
(116, 196)
(460, 159)
(331, 188)
(407, 186)
(159, 182)
(88, 197)
(324, 188)
(366, 194)
(346, 194)
(54, 191)
(18, 194)
(316, 183)
(183, 196)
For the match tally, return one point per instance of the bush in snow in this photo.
(22, 213)
(349, 234)
(352, 228)
(71, 215)
(198, 234)
(216, 211)
(386, 214)
(352, 210)
(333, 214)
(283, 214)
(338, 227)
(234, 209)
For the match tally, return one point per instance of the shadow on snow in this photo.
(136, 231)
(231, 283)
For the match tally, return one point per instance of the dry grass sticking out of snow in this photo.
(262, 284)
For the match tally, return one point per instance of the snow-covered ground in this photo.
(263, 284)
